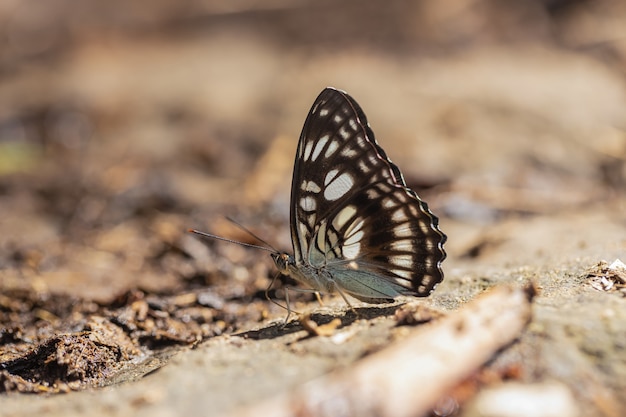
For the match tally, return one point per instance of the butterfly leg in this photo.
(346, 300)
(305, 290)
(319, 298)
(287, 307)
(267, 290)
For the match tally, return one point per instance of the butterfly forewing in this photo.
(352, 215)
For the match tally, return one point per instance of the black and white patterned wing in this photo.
(352, 214)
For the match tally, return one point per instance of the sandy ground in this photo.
(120, 128)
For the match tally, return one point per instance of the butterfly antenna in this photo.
(211, 236)
(245, 229)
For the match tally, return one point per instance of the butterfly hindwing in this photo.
(352, 215)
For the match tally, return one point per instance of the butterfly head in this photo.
(282, 261)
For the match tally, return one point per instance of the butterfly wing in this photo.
(351, 211)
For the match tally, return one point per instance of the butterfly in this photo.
(356, 228)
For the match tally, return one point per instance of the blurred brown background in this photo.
(122, 124)
(113, 115)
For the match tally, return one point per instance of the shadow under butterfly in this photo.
(356, 228)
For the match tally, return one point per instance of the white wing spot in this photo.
(343, 132)
(332, 238)
(353, 124)
(399, 215)
(403, 273)
(307, 150)
(401, 260)
(389, 203)
(372, 194)
(303, 230)
(338, 186)
(310, 186)
(321, 235)
(338, 119)
(319, 146)
(330, 175)
(356, 226)
(343, 216)
(425, 228)
(349, 152)
(308, 203)
(402, 231)
(402, 245)
(363, 167)
(351, 251)
(323, 112)
(332, 147)
(354, 239)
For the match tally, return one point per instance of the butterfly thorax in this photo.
(317, 278)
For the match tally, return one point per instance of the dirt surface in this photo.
(123, 126)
